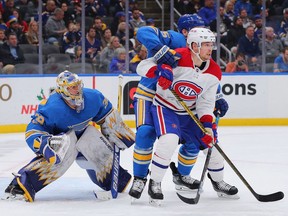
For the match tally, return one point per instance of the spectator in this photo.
(94, 8)
(32, 36)
(99, 27)
(273, 45)
(2, 36)
(229, 10)
(69, 16)
(117, 64)
(236, 32)
(284, 27)
(71, 39)
(208, 12)
(106, 37)
(22, 23)
(55, 27)
(281, 62)
(141, 53)
(258, 26)
(47, 12)
(246, 20)
(238, 65)
(2, 23)
(92, 46)
(78, 54)
(136, 21)
(249, 46)
(185, 6)
(118, 18)
(14, 27)
(224, 25)
(10, 54)
(8, 10)
(108, 53)
(243, 4)
(121, 32)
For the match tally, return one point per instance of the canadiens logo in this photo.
(187, 90)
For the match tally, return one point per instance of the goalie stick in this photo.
(107, 195)
(262, 198)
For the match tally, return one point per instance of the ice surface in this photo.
(260, 154)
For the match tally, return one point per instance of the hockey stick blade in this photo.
(189, 200)
(270, 197)
(262, 198)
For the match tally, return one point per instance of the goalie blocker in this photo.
(92, 152)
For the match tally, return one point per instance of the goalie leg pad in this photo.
(116, 131)
(105, 184)
(39, 173)
(97, 152)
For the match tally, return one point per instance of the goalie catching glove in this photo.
(116, 131)
(165, 55)
(53, 148)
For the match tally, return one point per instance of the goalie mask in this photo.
(71, 89)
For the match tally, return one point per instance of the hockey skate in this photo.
(137, 188)
(155, 193)
(14, 192)
(224, 190)
(183, 183)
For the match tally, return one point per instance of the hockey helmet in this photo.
(189, 21)
(200, 35)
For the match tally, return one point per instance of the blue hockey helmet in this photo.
(189, 21)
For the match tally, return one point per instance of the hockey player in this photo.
(195, 79)
(156, 41)
(60, 133)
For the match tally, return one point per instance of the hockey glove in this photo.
(208, 137)
(221, 107)
(49, 146)
(165, 76)
(165, 55)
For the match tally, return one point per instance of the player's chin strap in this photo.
(197, 54)
(262, 198)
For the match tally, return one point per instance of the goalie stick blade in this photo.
(190, 201)
(270, 197)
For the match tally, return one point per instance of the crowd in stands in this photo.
(240, 28)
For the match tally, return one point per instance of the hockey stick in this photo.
(262, 198)
(107, 195)
(116, 161)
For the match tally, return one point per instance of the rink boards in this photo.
(254, 99)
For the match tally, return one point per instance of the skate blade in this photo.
(226, 196)
(11, 197)
(133, 200)
(155, 202)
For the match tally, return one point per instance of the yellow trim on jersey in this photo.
(140, 111)
(144, 93)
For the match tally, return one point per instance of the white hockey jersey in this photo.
(197, 87)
